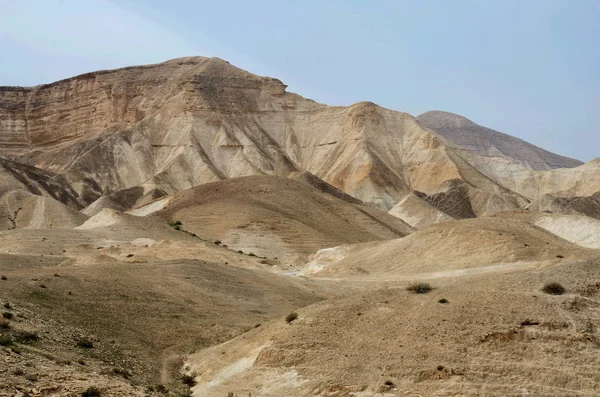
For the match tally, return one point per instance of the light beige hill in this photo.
(448, 248)
(498, 335)
(417, 212)
(581, 230)
(581, 181)
(22, 209)
(275, 217)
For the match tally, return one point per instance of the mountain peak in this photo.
(491, 143)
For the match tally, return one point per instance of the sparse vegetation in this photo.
(122, 372)
(291, 317)
(4, 324)
(160, 388)
(31, 377)
(176, 225)
(529, 322)
(443, 300)
(387, 386)
(4, 278)
(218, 242)
(5, 340)
(91, 391)
(7, 306)
(26, 336)
(85, 343)
(43, 286)
(8, 315)
(189, 380)
(419, 288)
(129, 255)
(554, 289)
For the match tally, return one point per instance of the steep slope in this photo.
(489, 143)
(275, 217)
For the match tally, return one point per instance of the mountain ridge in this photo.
(489, 142)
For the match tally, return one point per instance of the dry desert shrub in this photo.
(291, 317)
(554, 289)
(419, 288)
(91, 391)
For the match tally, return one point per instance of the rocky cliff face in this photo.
(128, 136)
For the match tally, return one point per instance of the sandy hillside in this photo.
(141, 318)
(275, 217)
(476, 244)
(497, 335)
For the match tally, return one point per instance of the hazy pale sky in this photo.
(529, 68)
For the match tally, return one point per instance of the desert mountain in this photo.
(128, 136)
(489, 143)
(190, 228)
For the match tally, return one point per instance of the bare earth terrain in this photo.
(190, 228)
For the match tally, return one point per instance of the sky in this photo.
(529, 68)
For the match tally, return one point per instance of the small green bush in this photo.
(443, 300)
(8, 315)
(176, 225)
